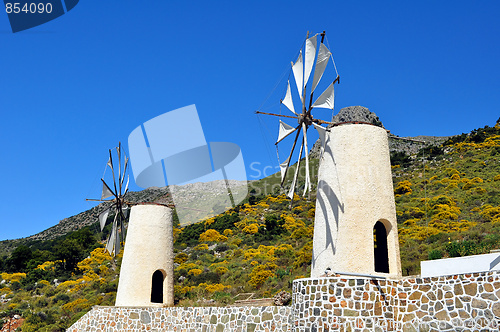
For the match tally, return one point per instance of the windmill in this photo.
(311, 56)
(115, 194)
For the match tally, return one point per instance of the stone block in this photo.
(496, 309)
(470, 289)
(442, 315)
(479, 304)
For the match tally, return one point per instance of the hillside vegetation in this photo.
(447, 201)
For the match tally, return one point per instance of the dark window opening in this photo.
(380, 245)
(157, 287)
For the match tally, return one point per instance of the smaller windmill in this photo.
(115, 194)
(317, 58)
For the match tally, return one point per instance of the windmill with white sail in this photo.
(115, 195)
(307, 70)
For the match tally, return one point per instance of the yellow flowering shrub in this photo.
(76, 305)
(67, 284)
(44, 282)
(181, 257)
(227, 232)
(209, 221)
(49, 265)
(211, 235)
(403, 188)
(195, 272)
(291, 223)
(263, 204)
(251, 229)
(477, 180)
(260, 274)
(13, 277)
(444, 212)
(186, 266)
(216, 288)
(491, 213)
(221, 270)
(201, 246)
(4, 290)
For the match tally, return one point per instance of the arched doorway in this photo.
(157, 287)
(380, 248)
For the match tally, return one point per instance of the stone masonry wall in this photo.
(191, 319)
(467, 302)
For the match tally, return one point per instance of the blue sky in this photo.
(72, 88)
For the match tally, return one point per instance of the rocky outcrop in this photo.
(357, 113)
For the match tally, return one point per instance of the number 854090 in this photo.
(28, 8)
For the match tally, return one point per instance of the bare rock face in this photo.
(357, 113)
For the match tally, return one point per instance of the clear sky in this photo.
(72, 88)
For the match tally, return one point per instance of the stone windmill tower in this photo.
(355, 229)
(147, 270)
(147, 274)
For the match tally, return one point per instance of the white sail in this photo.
(126, 185)
(117, 243)
(105, 192)
(322, 134)
(298, 72)
(285, 130)
(111, 240)
(307, 186)
(283, 167)
(326, 100)
(321, 62)
(292, 187)
(287, 101)
(309, 57)
(110, 162)
(102, 218)
(322, 138)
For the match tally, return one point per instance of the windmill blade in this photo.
(287, 101)
(124, 171)
(118, 150)
(117, 246)
(111, 240)
(285, 130)
(309, 57)
(126, 212)
(298, 72)
(126, 186)
(283, 167)
(327, 98)
(110, 161)
(290, 156)
(106, 192)
(322, 137)
(103, 217)
(321, 62)
(112, 171)
(292, 187)
(307, 186)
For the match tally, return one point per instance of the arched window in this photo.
(380, 248)
(157, 287)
